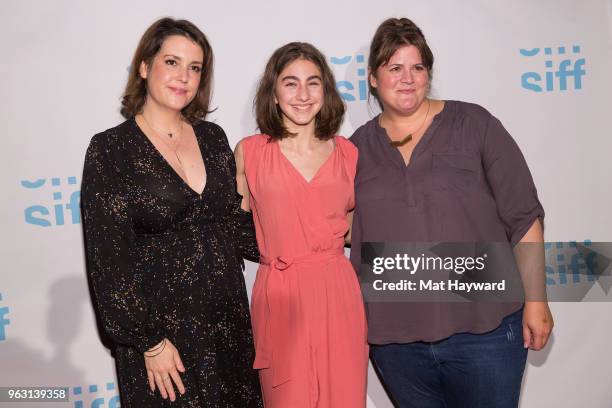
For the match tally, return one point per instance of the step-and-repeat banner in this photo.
(542, 67)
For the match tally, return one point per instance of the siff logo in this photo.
(357, 89)
(4, 321)
(94, 397)
(41, 215)
(569, 260)
(557, 72)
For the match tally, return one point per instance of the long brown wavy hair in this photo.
(135, 93)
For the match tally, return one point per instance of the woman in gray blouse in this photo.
(442, 171)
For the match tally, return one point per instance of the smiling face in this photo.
(403, 82)
(299, 93)
(174, 75)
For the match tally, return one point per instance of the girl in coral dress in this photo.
(297, 178)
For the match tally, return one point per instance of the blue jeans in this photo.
(465, 370)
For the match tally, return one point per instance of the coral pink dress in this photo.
(307, 311)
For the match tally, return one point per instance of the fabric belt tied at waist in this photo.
(274, 349)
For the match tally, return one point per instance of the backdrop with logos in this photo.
(541, 67)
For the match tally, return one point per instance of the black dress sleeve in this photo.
(242, 227)
(109, 245)
(243, 231)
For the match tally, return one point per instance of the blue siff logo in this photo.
(42, 216)
(356, 90)
(557, 70)
(4, 321)
(577, 266)
(94, 397)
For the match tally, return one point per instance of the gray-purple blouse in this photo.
(467, 181)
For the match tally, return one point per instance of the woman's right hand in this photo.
(163, 365)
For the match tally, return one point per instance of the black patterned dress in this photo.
(165, 261)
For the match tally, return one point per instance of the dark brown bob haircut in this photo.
(268, 114)
(135, 93)
(390, 36)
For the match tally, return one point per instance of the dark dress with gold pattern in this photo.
(165, 261)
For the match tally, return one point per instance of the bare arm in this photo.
(243, 188)
(537, 318)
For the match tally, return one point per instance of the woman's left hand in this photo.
(537, 325)
(163, 370)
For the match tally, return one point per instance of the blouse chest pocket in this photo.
(455, 171)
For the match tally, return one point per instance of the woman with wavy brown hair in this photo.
(165, 235)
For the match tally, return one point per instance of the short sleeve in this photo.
(510, 181)
(126, 314)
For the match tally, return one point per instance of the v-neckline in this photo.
(427, 135)
(327, 160)
(167, 164)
